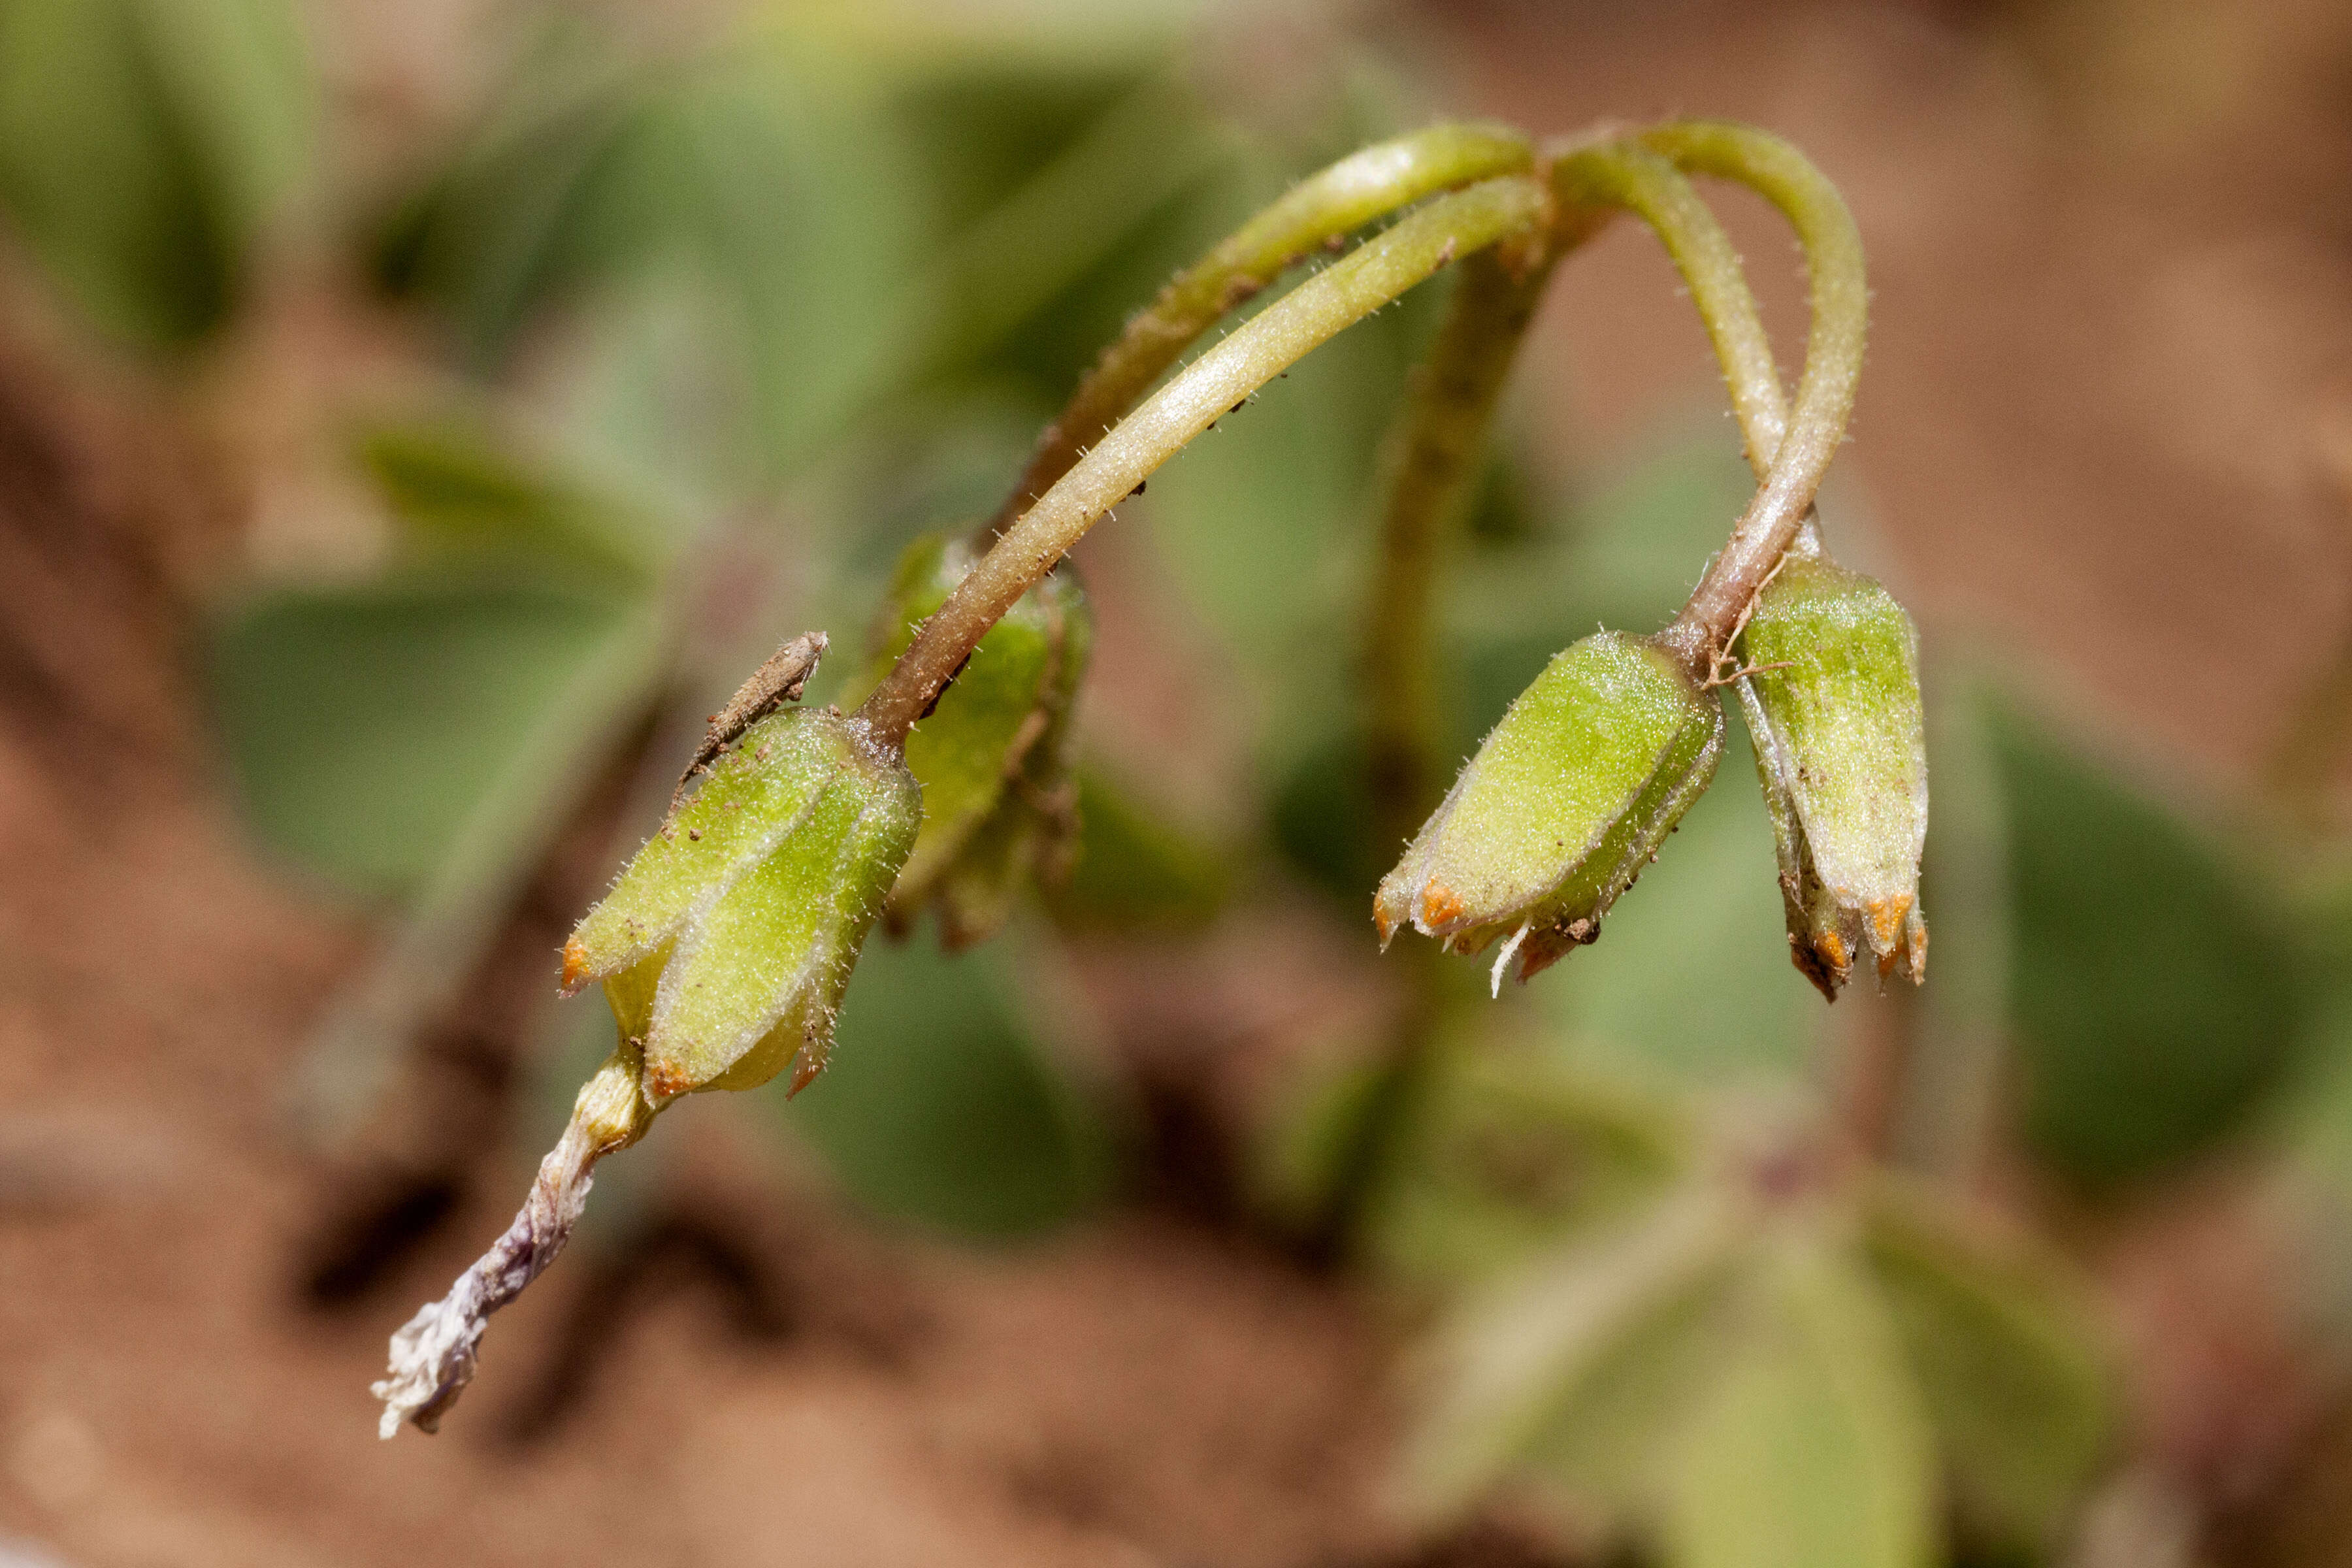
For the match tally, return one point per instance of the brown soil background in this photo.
(2108, 415)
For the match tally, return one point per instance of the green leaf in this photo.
(2009, 1360)
(1137, 870)
(1510, 1156)
(1811, 1451)
(1587, 1364)
(362, 725)
(1690, 985)
(767, 172)
(2153, 986)
(463, 495)
(143, 143)
(942, 1105)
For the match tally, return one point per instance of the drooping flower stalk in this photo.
(1433, 451)
(1834, 350)
(1320, 211)
(1218, 382)
(725, 955)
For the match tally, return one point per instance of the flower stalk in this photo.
(1218, 382)
(1825, 401)
(727, 945)
(1317, 212)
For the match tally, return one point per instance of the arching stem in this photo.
(1318, 211)
(1216, 383)
(1834, 350)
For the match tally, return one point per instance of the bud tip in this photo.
(664, 1083)
(1440, 905)
(1887, 924)
(804, 1073)
(575, 965)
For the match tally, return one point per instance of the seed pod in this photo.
(727, 943)
(1567, 800)
(1000, 809)
(1833, 708)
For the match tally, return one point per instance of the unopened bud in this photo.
(724, 948)
(1832, 703)
(1566, 801)
(727, 943)
(1000, 807)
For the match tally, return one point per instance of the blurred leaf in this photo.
(1812, 1451)
(942, 1107)
(485, 237)
(2009, 1360)
(337, 791)
(1626, 555)
(1136, 871)
(1321, 817)
(362, 725)
(1503, 510)
(769, 173)
(1690, 983)
(1588, 1361)
(1510, 1157)
(1069, 216)
(2154, 991)
(142, 146)
(464, 496)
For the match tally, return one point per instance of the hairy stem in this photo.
(1834, 349)
(1629, 176)
(1214, 384)
(1320, 209)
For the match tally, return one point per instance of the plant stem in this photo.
(1629, 176)
(1214, 385)
(1322, 208)
(1834, 349)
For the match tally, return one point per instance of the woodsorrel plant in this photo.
(727, 945)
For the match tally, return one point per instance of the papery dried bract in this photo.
(725, 945)
(1000, 807)
(1566, 801)
(1833, 708)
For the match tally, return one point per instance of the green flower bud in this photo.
(1000, 807)
(727, 943)
(1832, 703)
(1564, 802)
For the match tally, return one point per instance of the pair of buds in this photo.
(727, 945)
(1574, 792)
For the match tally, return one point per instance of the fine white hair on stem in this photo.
(434, 1352)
